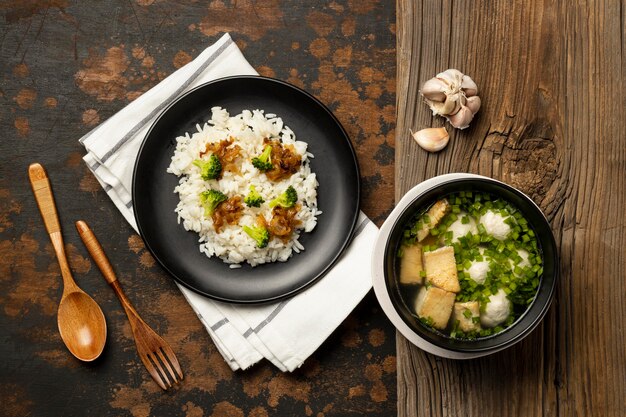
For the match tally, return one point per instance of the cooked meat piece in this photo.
(435, 214)
(226, 153)
(285, 159)
(283, 222)
(467, 321)
(440, 266)
(260, 220)
(435, 304)
(228, 212)
(411, 265)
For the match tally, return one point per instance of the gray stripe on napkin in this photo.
(361, 226)
(268, 319)
(219, 324)
(165, 103)
(95, 166)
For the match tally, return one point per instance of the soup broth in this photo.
(469, 265)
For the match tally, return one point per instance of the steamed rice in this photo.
(249, 129)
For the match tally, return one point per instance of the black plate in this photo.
(177, 250)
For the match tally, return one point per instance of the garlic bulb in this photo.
(432, 139)
(453, 95)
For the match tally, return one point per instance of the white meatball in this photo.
(494, 225)
(522, 253)
(460, 229)
(525, 262)
(478, 271)
(497, 310)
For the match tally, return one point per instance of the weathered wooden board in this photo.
(551, 76)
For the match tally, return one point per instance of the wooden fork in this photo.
(155, 353)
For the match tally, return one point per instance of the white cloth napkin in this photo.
(286, 332)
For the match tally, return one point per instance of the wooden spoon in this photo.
(81, 323)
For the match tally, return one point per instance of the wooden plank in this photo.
(550, 75)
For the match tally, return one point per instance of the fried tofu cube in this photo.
(411, 265)
(440, 269)
(435, 214)
(436, 305)
(466, 314)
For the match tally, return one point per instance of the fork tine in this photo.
(153, 372)
(167, 364)
(158, 364)
(172, 358)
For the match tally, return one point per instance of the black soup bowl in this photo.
(386, 266)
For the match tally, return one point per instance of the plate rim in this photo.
(344, 244)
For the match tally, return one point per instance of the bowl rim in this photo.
(391, 309)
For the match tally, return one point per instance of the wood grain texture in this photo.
(40, 185)
(95, 250)
(550, 75)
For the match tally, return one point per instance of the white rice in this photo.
(249, 129)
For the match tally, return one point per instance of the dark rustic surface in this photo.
(68, 65)
(548, 73)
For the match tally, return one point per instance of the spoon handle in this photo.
(43, 195)
(97, 253)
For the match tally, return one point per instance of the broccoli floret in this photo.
(287, 199)
(210, 199)
(211, 169)
(259, 233)
(263, 162)
(253, 199)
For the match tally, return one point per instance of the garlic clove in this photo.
(457, 107)
(445, 108)
(462, 119)
(473, 103)
(433, 89)
(469, 86)
(453, 78)
(459, 100)
(432, 139)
